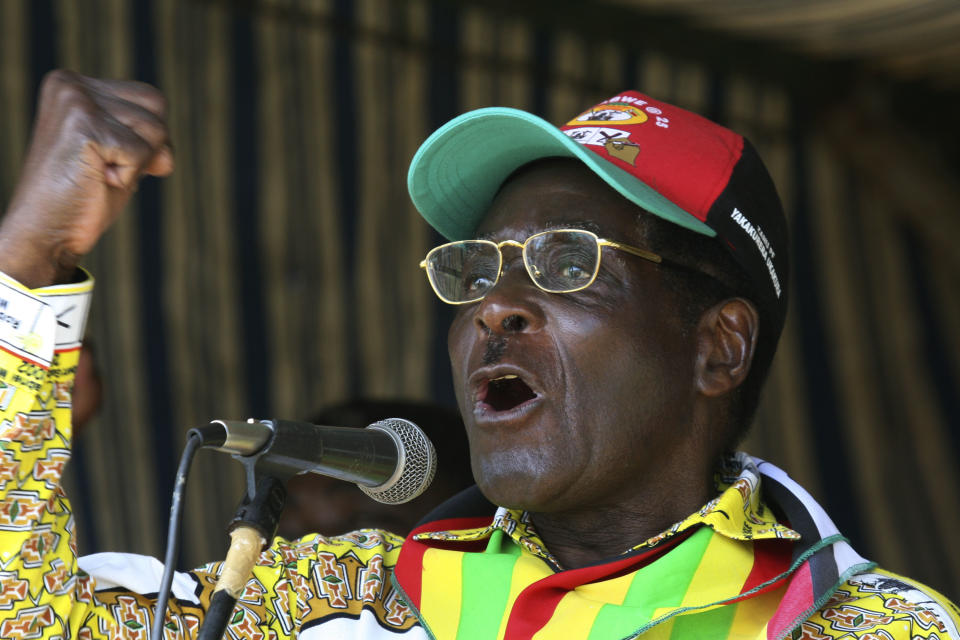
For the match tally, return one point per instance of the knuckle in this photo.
(58, 77)
(150, 96)
(152, 132)
(66, 92)
(76, 116)
(131, 143)
(159, 101)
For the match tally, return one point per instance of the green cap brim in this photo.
(458, 170)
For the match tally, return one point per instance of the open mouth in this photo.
(506, 392)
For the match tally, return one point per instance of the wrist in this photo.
(34, 260)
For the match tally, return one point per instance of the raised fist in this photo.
(92, 142)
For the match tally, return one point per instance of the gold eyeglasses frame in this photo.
(601, 242)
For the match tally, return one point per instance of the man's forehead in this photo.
(556, 193)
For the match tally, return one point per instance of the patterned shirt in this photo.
(744, 574)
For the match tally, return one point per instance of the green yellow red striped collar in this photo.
(712, 576)
(737, 512)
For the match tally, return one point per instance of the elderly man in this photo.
(620, 285)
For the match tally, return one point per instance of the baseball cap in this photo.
(671, 162)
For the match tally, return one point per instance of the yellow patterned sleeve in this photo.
(340, 585)
(41, 594)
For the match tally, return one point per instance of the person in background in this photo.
(87, 392)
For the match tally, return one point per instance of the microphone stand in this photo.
(252, 527)
(267, 472)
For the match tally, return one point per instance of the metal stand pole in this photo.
(253, 526)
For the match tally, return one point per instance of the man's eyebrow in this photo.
(586, 225)
(550, 225)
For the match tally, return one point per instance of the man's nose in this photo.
(513, 305)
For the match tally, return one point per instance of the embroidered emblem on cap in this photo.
(589, 129)
(619, 113)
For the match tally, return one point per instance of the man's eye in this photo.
(573, 271)
(477, 282)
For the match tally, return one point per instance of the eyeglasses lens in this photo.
(562, 261)
(464, 271)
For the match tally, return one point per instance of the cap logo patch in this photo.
(597, 136)
(591, 127)
(616, 142)
(623, 150)
(616, 113)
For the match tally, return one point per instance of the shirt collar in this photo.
(737, 512)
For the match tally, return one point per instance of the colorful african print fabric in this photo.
(332, 587)
(731, 570)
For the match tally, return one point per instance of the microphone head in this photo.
(416, 463)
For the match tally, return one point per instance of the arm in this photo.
(92, 141)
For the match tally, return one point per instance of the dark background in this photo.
(276, 272)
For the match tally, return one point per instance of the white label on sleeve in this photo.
(70, 310)
(27, 325)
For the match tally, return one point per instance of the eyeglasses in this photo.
(558, 261)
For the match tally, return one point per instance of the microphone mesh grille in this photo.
(416, 466)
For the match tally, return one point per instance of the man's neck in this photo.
(582, 538)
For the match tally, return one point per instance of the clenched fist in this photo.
(92, 142)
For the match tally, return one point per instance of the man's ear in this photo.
(726, 340)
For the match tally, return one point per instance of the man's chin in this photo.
(521, 490)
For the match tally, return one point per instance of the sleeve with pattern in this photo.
(311, 587)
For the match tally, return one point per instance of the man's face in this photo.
(578, 399)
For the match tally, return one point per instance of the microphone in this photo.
(392, 460)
